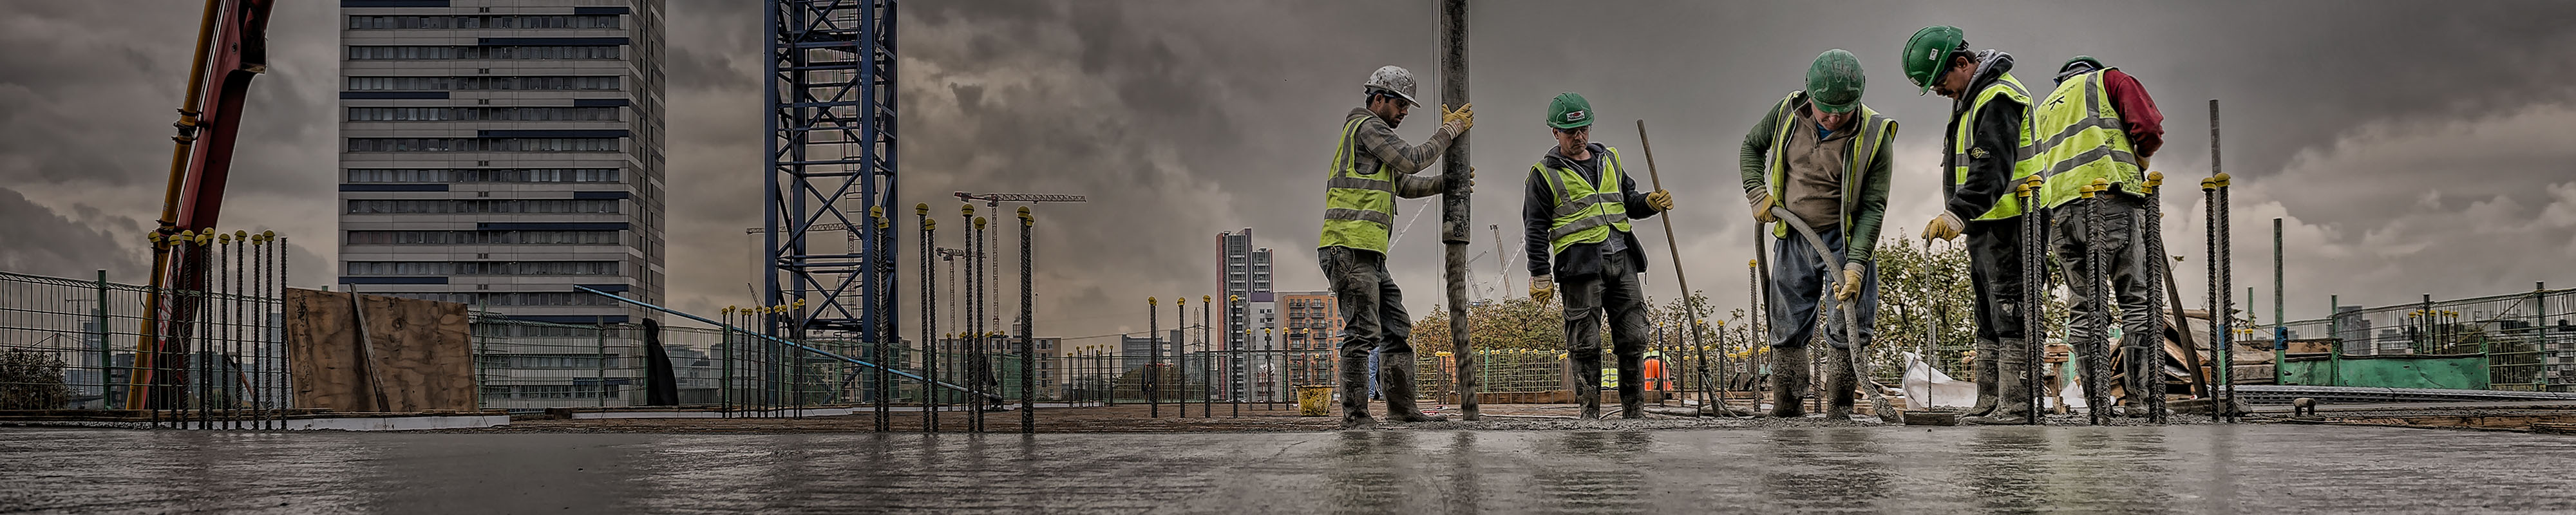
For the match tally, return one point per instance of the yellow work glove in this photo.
(1850, 286)
(1946, 226)
(1762, 209)
(1662, 200)
(1540, 289)
(1460, 120)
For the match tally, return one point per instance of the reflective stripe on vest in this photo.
(2086, 140)
(2026, 161)
(1585, 212)
(1358, 207)
(1856, 164)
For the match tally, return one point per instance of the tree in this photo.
(31, 379)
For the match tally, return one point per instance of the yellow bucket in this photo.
(1314, 401)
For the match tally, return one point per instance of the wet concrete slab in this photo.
(2177, 469)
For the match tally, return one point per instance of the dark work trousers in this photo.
(1373, 318)
(2072, 240)
(1798, 287)
(1617, 293)
(1995, 250)
(2122, 259)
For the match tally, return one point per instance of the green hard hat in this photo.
(1568, 111)
(1834, 82)
(1927, 54)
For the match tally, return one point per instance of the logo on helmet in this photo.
(1573, 116)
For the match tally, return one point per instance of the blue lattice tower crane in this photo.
(831, 165)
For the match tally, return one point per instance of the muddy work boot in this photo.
(1788, 382)
(1984, 368)
(1840, 386)
(2012, 402)
(2145, 363)
(1395, 376)
(1355, 392)
(1632, 386)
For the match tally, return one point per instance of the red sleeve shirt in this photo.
(2146, 125)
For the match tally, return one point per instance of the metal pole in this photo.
(1153, 357)
(2034, 281)
(1690, 303)
(1207, 359)
(1453, 203)
(1028, 331)
(2280, 330)
(2221, 307)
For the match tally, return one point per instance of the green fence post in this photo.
(98, 323)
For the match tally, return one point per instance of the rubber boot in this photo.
(1788, 381)
(1840, 386)
(2097, 378)
(1355, 391)
(1587, 384)
(1984, 368)
(2012, 399)
(2145, 380)
(1395, 378)
(1632, 386)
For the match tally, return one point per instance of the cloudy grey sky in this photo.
(2413, 146)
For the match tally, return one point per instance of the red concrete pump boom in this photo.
(232, 47)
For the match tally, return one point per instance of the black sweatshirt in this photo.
(1538, 216)
(1996, 137)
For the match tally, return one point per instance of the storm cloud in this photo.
(2411, 147)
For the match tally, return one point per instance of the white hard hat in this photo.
(1393, 79)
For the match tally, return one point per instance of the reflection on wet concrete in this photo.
(2250, 469)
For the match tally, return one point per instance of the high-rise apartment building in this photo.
(1310, 326)
(500, 152)
(1241, 270)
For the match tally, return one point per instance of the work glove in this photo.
(1850, 286)
(1458, 121)
(2142, 164)
(1541, 288)
(1946, 226)
(1762, 209)
(1661, 200)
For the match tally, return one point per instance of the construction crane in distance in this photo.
(994, 202)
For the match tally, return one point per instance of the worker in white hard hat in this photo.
(1371, 167)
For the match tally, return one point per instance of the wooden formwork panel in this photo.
(423, 353)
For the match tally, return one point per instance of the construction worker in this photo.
(2102, 126)
(1575, 223)
(1990, 149)
(1824, 157)
(1371, 167)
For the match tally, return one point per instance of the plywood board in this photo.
(423, 353)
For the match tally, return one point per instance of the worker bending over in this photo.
(1823, 156)
(1990, 148)
(1575, 219)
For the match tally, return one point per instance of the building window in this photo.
(454, 268)
(576, 21)
(442, 206)
(500, 114)
(481, 83)
(483, 144)
(458, 175)
(513, 298)
(444, 52)
(483, 238)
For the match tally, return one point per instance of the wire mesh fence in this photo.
(2526, 340)
(206, 356)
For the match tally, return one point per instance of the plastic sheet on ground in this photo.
(1929, 387)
